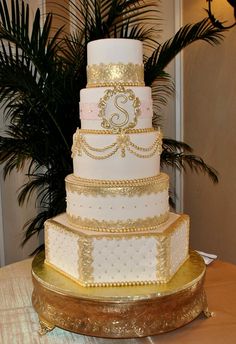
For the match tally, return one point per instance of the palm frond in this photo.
(181, 160)
(173, 145)
(161, 57)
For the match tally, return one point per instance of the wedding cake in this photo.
(117, 229)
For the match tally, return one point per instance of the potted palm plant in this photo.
(42, 72)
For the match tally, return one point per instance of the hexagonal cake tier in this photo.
(115, 259)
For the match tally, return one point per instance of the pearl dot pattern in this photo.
(114, 259)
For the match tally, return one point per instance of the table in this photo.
(19, 321)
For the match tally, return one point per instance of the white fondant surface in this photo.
(179, 238)
(113, 50)
(131, 259)
(143, 123)
(62, 250)
(116, 167)
(117, 208)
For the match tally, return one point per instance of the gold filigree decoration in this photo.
(129, 188)
(162, 271)
(119, 226)
(122, 143)
(44, 327)
(85, 259)
(121, 118)
(153, 314)
(112, 74)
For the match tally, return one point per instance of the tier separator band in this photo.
(116, 235)
(129, 190)
(158, 179)
(113, 132)
(119, 226)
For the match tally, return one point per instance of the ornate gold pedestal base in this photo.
(118, 312)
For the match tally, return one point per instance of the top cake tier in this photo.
(115, 61)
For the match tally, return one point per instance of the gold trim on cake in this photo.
(122, 143)
(162, 271)
(110, 132)
(86, 259)
(111, 74)
(129, 188)
(118, 226)
(85, 242)
(120, 119)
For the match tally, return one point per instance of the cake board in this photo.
(118, 312)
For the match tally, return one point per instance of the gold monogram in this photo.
(121, 120)
(116, 119)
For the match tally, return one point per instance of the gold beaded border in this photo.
(110, 132)
(129, 188)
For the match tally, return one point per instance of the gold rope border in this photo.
(111, 132)
(130, 188)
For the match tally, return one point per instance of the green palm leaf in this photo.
(177, 155)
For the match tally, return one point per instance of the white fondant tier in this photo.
(114, 259)
(118, 206)
(113, 50)
(91, 97)
(113, 156)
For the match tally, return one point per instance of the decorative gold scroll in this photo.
(119, 226)
(115, 74)
(129, 188)
(119, 119)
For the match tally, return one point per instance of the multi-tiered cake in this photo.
(117, 229)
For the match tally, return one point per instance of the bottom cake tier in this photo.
(117, 259)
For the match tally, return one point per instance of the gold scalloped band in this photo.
(119, 226)
(129, 188)
(115, 74)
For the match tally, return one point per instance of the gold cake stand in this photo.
(118, 312)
